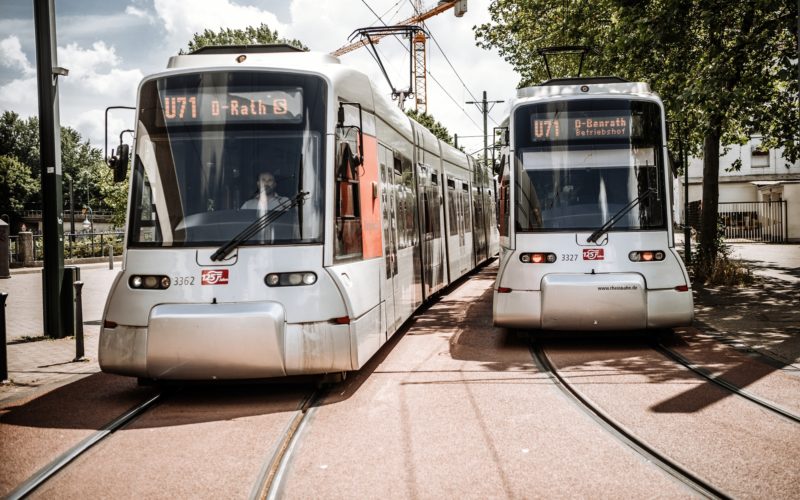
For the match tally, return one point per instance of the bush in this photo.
(92, 245)
(719, 269)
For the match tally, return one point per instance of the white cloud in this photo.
(20, 96)
(94, 82)
(183, 19)
(84, 63)
(11, 56)
(479, 69)
(106, 58)
(137, 12)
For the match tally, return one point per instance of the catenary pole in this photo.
(483, 107)
(47, 71)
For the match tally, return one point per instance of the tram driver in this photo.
(265, 198)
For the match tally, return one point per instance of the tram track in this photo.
(670, 467)
(65, 459)
(270, 480)
(721, 382)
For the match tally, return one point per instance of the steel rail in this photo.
(272, 474)
(618, 431)
(769, 405)
(49, 470)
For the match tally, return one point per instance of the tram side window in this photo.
(451, 207)
(465, 208)
(504, 205)
(400, 202)
(144, 226)
(348, 210)
(405, 174)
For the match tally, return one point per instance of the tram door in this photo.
(389, 286)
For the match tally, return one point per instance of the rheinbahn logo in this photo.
(214, 277)
(593, 254)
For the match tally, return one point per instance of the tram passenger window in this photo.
(451, 207)
(348, 214)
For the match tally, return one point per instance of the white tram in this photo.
(284, 219)
(585, 213)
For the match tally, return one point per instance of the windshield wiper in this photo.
(617, 216)
(257, 225)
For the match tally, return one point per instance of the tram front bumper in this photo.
(589, 302)
(592, 302)
(210, 341)
(223, 341)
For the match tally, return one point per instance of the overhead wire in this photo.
(457, 103)
(435, 41)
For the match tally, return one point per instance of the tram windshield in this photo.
(578, 163)
(217, 150)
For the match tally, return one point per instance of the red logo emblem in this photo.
(593, 254)
(214, 277)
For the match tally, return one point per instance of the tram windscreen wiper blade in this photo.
(257, 225)
(617, 216)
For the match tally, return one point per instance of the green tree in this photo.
(17, 185)
(20, 139)
(251, 35)
(80, 162)
(726, 70)
(113, 194)
(431, 124)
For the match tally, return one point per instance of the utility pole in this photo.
(50, 154)
(484, 108)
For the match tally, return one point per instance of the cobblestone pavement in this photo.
(763, 317)
(35, 360)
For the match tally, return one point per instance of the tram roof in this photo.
(588, 86)
(278, 56)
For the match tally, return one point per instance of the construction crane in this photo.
(418, 54)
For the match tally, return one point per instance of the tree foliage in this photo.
(251, 35)
(80, 163)
(725, 70)
(431, 124)
(17, 185)
(19, 138)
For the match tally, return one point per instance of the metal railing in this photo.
(76, 245)
(755, 221)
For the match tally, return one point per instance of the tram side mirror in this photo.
(500, 166)
(340, 120)
(674, 164)
(119, 162)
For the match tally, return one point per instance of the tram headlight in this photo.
(301, 278)
(149, 282)
(537, 258)
(646, 255)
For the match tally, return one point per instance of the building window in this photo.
(759, 157)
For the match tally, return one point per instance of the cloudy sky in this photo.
(110, 45)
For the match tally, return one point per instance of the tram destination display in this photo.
(561, 126)
(210, 105)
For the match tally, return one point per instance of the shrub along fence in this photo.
(26, 248)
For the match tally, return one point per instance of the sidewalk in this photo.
(763, 317)
(33, 359)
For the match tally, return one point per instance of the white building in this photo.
(765, 176)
